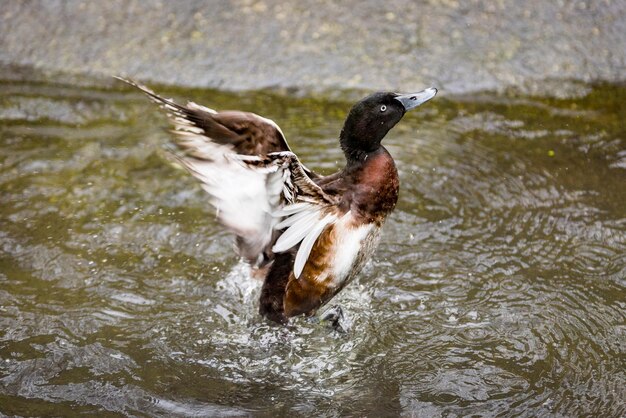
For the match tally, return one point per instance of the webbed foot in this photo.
(337, 319)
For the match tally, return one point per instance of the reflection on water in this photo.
(499, 285)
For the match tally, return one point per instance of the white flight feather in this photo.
(291, 209)
(296, 232)
(239, 194)
(247, 198)
(307, 244)
(304, 222)
(244, 198)
(290, 220)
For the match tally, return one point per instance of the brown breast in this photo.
(375, 189)
(370, 193)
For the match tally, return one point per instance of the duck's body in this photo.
(308, 235)
(365, 199)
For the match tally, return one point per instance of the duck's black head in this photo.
(370, 119)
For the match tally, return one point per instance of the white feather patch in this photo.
(290, 220)
(291, 209)
(241, 195)
(307, 244)
(349, 245)
(296, 232)
(304, 222)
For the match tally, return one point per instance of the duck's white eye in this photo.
(383, 108)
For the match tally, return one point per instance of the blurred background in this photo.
(459, 46)
(498, 288)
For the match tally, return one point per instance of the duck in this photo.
(305, 235)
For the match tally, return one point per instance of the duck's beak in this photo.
(412, 100)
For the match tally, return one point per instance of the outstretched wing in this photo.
(243, 132)
(257, 185)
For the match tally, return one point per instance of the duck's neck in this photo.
(356, 159)
(355, 153)
(373, 183)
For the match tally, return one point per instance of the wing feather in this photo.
(307, 243)
(257, 185)
(296, 232)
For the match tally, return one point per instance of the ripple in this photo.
(498, 287)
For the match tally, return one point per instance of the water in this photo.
(499, 288)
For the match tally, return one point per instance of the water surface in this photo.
(499, 287)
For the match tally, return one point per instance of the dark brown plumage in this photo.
(308, 234)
